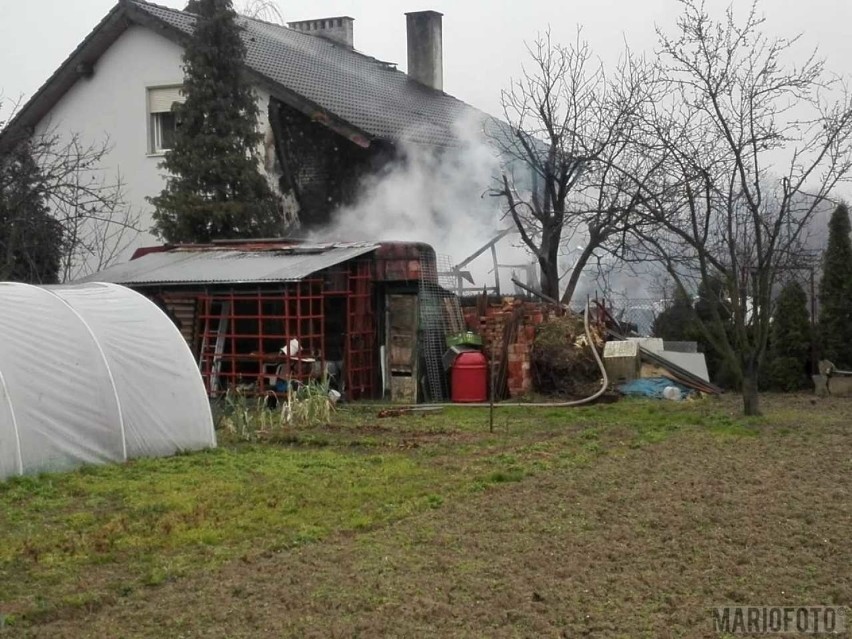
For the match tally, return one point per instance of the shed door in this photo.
(401, 344)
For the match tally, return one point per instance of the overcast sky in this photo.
(483, 39)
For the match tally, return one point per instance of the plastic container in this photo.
(673, 393)
(467, 338)
(469, 378)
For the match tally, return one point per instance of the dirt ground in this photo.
(641, 542)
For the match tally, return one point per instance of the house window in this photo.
(163, 131)
(162, 119)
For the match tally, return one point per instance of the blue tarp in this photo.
(652, 387)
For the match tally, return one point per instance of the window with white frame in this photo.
(162, 119)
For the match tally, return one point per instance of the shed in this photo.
(90, 374)
(261, 315)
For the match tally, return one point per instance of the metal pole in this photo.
(496, 268)
(493, 384)
(814, 346)
(813, 298)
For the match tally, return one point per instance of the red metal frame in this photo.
(361, 353)
(240, 332)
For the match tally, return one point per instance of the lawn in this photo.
(628, 519)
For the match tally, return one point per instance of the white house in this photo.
(329, 114)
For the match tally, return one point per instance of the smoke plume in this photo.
(437, 196)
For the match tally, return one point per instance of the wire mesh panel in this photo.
(636, 315)
(433, 330)
(450, 281)
(318, 329)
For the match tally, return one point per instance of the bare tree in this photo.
(748, 145)
(98, 224)
(265, 10)
(63, 177)
(571, 172)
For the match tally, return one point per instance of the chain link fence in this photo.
(637, 313)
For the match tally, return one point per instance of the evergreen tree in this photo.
(677, 322)
(215, 189)
(790, 340)
(680, 322)
(712, 301)
(835, 292)
(31, 239)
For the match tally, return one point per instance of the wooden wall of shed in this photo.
(184, 309)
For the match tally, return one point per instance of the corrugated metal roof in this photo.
(230, 266)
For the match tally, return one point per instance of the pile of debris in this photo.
(543, 347)
(562, 362)
(832, 381)
(535, 346)
(669, 364)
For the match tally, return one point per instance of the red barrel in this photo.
(469, 377)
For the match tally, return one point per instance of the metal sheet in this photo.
(207, 266)
(695, 363)
(680, 374)
(680, 347)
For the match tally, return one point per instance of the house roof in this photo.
(224, 264)
(356, 95)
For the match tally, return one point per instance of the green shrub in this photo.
(308, 407)
(789, 341)
(253, 418)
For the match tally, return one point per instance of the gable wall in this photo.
(112, 105)
(321, 169)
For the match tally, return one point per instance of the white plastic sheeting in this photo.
(93, 373)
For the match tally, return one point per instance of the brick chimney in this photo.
(339, 29)
(425, 57)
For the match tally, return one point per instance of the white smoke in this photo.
(436, 196)
(441, 197)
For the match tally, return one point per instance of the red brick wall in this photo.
(492, 326)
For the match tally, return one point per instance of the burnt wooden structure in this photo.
(259, 315)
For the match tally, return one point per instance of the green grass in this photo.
(160, 518)
(81, 539)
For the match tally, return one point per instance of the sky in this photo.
(483, 39)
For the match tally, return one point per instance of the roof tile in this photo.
(369, 94)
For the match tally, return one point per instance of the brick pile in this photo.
(491, 321)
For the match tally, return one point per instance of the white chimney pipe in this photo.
(425, 55)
